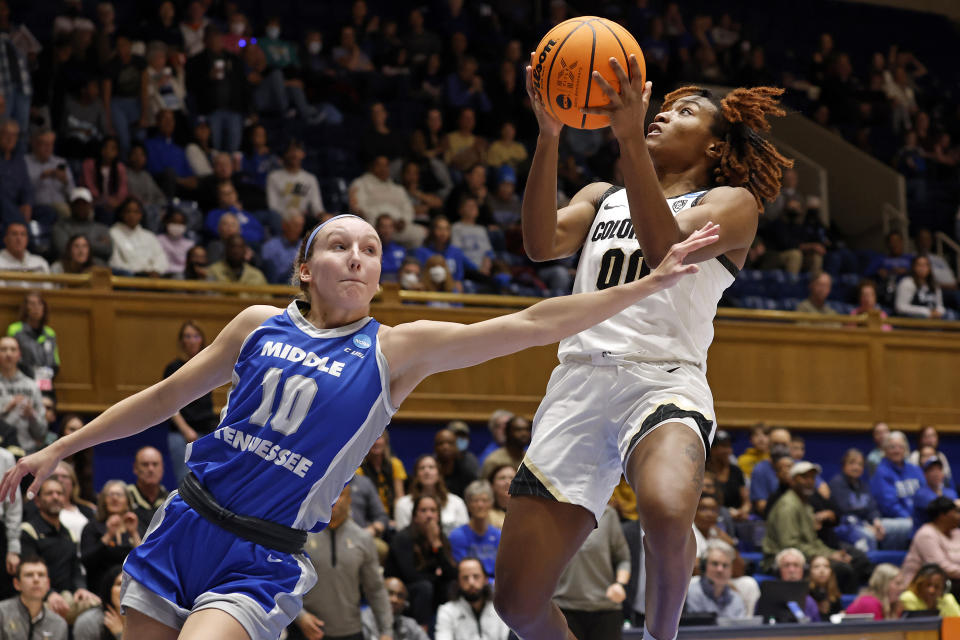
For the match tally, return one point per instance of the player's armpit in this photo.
(570, 231)
(734, 209)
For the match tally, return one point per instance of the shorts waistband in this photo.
(263, 532)
(605, 358)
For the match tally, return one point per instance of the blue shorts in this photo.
(187, 564)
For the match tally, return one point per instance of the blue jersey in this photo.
(305, 407)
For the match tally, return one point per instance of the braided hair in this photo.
(748, 159)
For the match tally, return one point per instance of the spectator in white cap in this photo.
(790, 523)
(81, 222)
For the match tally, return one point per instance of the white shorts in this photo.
(591, 418)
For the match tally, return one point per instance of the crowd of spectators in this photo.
(408, 117)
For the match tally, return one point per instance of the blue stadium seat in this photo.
(795, 285)
(752, 556)
(847, 599)
(893, 557)
(758, 302)
(850, 279)
(788, 304)
(763, 577)
(774, 283)
(748, 284)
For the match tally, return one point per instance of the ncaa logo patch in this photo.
(679, 205)
(362, 341)
(564, 101)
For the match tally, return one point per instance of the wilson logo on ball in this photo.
(538, 70)
(564, 101)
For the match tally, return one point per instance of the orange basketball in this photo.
(564, 62)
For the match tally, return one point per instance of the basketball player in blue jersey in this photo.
(313, 386)
(630, 394)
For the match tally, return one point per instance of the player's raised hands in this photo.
(548, 124)
(628, 108)
(672, 268)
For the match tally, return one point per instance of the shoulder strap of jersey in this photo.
(700, 197)
(609, 192)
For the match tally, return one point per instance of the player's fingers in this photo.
(607, 89)
(621, 74)
(647, 92)
(680, 251)
(11, 480)
(605, 110)
(33, 489)
(705, 229)
(635, 72)
(695, 242)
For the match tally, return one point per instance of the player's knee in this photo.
(664, 515)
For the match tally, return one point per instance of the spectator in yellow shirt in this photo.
(506, 149)
(927, 591)
(759, 449)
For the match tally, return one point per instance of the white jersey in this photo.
(675, 324)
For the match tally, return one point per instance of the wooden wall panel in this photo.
(805, 375)
(922, 380)
(115, 343)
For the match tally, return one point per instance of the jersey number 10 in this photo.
(611, 268)
(295, 400)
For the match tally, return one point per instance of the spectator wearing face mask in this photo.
(438, 243)
(174, 242)
(410, 276)
(437, 277)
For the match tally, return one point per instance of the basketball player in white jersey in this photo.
(630, 394)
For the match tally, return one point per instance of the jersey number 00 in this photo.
(611, 268)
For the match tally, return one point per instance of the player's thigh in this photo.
(140, 626)
(212, 624)
(538, 539)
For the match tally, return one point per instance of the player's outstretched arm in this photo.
(203, 373)
(455, 346)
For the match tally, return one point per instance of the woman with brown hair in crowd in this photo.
(823, 587)
(427, 481)
(421, 556)
(500, 479)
